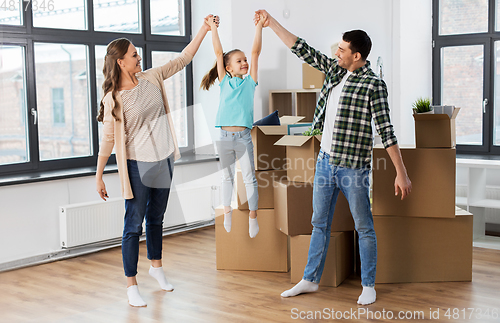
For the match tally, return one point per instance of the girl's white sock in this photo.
(302, 286)
(227, 221)
(159, 275)
(368, 296)
(253, 227)
(134, 298)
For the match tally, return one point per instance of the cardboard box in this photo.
(265, 180)
(339, 262)
(293, 209)
(412, 250)
(435, 130)
(311, 77)
(301, 156)
(235, 250)
(266, 155)
(432, 173)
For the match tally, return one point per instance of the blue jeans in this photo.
(354, 183)
(150, 203)
(232, 146)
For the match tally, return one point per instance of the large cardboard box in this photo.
(235, 250)
(412, 250)
(266, 155)
(265, 179)
(311, 77)
(301, 155)
(435, 130)
(293, 209)
(339, 262)
(432, 173)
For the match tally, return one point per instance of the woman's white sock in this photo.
(253, 227)
(159, 275)
(368, 296)
(134, 298)
(302, 286)
(227, 221)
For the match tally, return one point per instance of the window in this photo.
(51, 60)
(465, 49)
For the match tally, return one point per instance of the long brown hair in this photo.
(209, 78)
(115, 50)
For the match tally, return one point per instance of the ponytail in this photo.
(209, 78)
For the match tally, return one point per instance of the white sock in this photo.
(159, 275)
(253, 227)
(368, 296)
(134, 298)
(302, 286)
(227, 220)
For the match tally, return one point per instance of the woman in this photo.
(138, 124)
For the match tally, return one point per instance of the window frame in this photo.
(487, 40)
(27, 35)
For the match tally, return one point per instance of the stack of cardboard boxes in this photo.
(285, 168)
(423, 238)
(268, 251)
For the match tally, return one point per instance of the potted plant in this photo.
(422, 106)
(313, 132)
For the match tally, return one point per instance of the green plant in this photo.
(422, 105)
(312, 132)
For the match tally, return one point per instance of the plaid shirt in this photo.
(363, 97)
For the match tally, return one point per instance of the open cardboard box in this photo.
(265, 179)
(293, 209)
(235, 250)
(339, 262)
(432, 173)
(266, 155)
(436, 130)
(301, 155)
(414, 250)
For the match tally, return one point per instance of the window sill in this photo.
(34, 177)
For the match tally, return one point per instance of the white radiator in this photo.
(91, 222)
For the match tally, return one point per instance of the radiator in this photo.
(91, 222)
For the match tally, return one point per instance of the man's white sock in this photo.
(302, 286)
(134, 298)
(159, 275)
(368, 296)
(227, 221)
(253, 227)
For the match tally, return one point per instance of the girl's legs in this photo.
(244, 153)
(227, 158)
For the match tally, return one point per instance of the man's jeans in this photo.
(354, 183)
(150, 184)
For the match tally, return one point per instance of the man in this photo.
(353, 90)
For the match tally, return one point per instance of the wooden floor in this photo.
(91, 288)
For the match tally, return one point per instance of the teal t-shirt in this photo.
(236, 102)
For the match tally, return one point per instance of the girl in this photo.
(135, 114)
(235, 118)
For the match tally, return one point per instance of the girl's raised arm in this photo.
(213, 22)
(257, 46)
